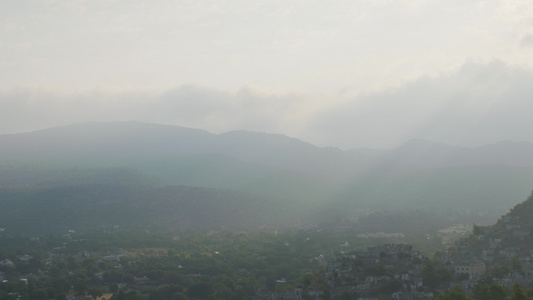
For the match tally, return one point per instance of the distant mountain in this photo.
(426, 154)
(416, 175)
(125, 141)
(17, 176)
(119, 142)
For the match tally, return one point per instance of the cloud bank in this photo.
(477, 104)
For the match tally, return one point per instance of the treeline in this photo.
(52, 210)
(26, 175)
(31, 211)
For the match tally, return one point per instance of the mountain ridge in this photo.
(127, 127)
(417, 174)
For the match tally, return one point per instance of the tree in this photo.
(477, 230)
(131, 295)
(518, 293)
(516, 265)
(391, 286)
(347, 296)
(434, 274)
(95, 292)
(497, 291)
(499, 271)
(457, 293)
(80, 287)
(200, 290)
(179, 296)
(492, 291)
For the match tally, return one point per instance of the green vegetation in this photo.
(152, 212)
(416, 176)
(168, 265)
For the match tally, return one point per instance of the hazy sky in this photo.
(339, 73)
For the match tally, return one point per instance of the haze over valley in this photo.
(285, 181)
(165, 150)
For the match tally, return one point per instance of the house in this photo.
(474, 269)
(111, 258)
(7, 263)
(25, 257)
(141, 280)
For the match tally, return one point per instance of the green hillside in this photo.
(83, 207)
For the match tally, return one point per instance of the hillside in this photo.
(416, 175)
(17, 176)
(507, 241)
(57, 209)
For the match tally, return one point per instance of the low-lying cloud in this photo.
(527, 40)
(475, 105)
(479, 103)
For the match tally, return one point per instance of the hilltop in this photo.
(477, 184)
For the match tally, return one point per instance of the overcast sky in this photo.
(355, 73)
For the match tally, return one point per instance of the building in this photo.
(474, 269)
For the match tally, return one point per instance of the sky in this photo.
(348, 74)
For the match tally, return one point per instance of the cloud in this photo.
(196, 106)
(478, 103)
(218, 110)
(526, 41)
